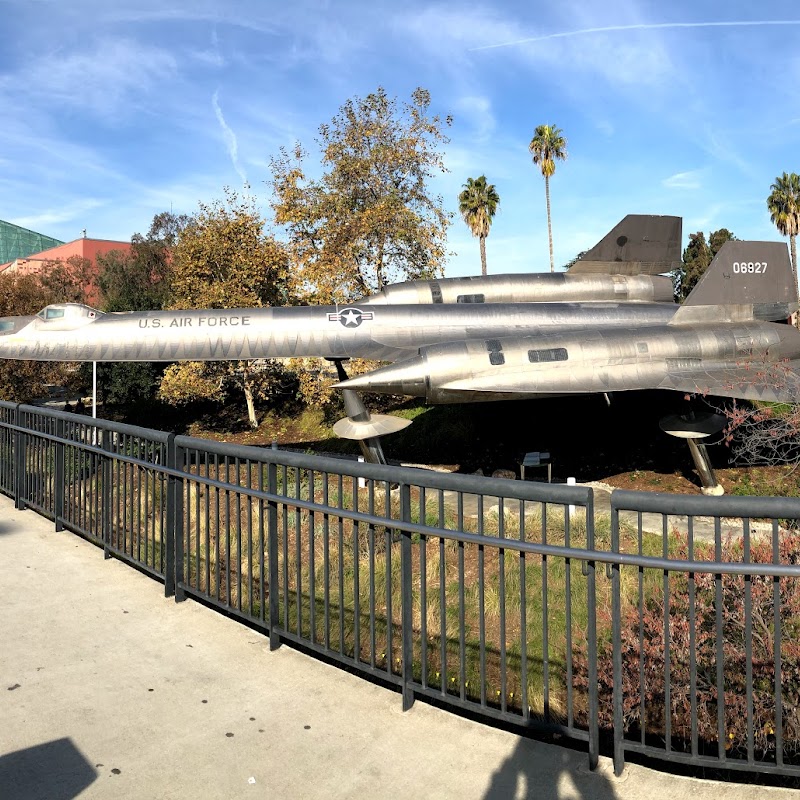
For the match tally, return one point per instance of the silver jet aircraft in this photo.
(625, 265)
(723, 340)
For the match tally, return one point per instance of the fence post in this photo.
(619, 730)
(107, 495)
(181, 568)
(170, 523)
(20, 444)
(591, 623)
(407, 615)
(272, 554)
(59, 477)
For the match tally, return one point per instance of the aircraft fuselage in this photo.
(354, 331)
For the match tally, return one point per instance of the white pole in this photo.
(571, 482)
(94, 390)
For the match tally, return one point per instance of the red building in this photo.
(83, 248)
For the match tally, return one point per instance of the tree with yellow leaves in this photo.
(370, 219)
(224, 259)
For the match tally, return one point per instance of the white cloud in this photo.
(213, 56)
(103, 79)
(639, 26)
(718, 144)
(78, 210)
(231, 143)
(605, 127)
(477, 114)
(684, 180)
(707, 220)
(458, 35)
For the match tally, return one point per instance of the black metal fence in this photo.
(481, 594)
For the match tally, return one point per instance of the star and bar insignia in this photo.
(350, 317)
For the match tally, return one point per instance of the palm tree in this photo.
(548, 146)
(784, 210)
(478, 204)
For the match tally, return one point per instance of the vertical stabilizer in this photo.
(641, 244)
(753, 278)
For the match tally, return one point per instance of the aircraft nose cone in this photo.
(406, 377)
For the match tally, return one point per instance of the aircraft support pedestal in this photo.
(371, 447)
(704, 469)
(693, 428)
(363, 427)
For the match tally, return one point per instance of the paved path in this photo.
(107, 689)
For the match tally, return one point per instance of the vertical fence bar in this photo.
(171, 521)
(181, 569)
(356, 581)
(481, 606)
(59, 477)
(272, 555)
(667, 665)
(591, 624)
(546, 619)
(262, 612)
(641, 602)
(501, 585)
(748, 643)
(107, 493)
(719, 634)
(312, 543)
(523, 620)
(406, 578)
(776, 646)
(326, 563)
(423, 591)
(692, 644)
(371, 534)
(20, 445)
(616, 633)
(387, 549)
(442, 619)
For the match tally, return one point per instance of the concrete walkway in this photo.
(107, 689)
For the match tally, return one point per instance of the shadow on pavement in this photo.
(54, 770)
(8, 527)
(546, 772)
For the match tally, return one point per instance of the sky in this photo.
(113, 112)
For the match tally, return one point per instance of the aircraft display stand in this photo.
(694, 428)
(363, 427)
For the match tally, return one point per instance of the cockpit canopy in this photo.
(66, 316)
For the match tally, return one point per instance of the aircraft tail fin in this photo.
(748, 280)
(641, 244)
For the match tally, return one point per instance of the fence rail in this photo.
(488, 596)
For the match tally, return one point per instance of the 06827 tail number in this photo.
(749, 267)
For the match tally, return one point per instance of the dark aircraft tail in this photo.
(746, 280)
(641, 244)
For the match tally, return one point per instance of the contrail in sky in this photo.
(230, 138)
(644, 26)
